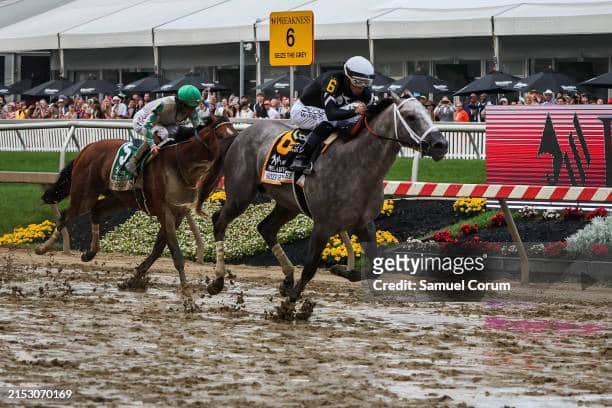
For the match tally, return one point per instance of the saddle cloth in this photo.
(275, 169)
(120, 178)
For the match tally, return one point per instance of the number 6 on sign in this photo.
(291, 38)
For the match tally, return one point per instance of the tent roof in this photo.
(12, 11)
(131, 26)
(578, 17)
(434, 23)
(40, 31)
(129, 23)
(230, 21)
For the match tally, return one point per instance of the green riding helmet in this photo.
(190, 95)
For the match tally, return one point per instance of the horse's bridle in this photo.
(203, 143)
(397, 115)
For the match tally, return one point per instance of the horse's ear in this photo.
(396, 98)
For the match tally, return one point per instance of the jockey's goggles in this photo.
(361, 82)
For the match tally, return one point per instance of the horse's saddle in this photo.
(120, 178)
(286, 145)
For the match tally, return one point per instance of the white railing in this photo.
(466, 141)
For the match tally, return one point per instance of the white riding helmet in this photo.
(360, 71)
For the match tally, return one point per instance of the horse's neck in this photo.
(378, 154)
(190, 159)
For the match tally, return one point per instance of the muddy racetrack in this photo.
(64, 325)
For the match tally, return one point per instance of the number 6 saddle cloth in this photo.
(275, 168)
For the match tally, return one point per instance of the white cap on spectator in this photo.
(548, 92)
(116, 98)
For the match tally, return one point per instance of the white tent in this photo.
(577, 17)
(334, 20)
(12, 11)
(434, 23)
(40, 32)
(138, 23)
(230, 21)
(131, 26)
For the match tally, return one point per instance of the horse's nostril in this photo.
(440, 145)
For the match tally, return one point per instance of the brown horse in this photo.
(181, 175)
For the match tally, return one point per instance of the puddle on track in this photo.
(71, 329)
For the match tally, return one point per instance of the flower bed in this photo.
(137, 235)
(31, 233)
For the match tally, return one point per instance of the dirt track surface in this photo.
(64, 325)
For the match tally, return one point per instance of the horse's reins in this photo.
(397, 115)
(202, 142)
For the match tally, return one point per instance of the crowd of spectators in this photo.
(78, 107)
(234, 107)
(473, 108)
(124, 107)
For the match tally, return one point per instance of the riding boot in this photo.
(132, 164)
(303, 161)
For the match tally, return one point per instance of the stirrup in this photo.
(300, 164)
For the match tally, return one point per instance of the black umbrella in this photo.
(17, 88)
(91, 87)
(282, 85)
(199, 81)
(49, 88)
(424, 84)
(542, 81)
(147, 84)
(494, 82)
(602, 81)
(380, 82)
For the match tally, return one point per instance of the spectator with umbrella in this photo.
(91, 87)
(495, 82)
(49, 88)
(547, 80)
(420, 83)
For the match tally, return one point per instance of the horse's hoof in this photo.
(286, 286)
(134, 284)
(88, 256)
(40, 250)
(341, 270)
(215, 287)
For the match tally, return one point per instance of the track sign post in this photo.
(291, 41)
(291, 38)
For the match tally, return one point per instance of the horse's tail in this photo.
(61, 189)
(207, 184)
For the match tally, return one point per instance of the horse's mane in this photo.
(375, 110)
(209, 181)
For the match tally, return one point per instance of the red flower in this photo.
(469, 229)
(572, 214)
(498, 220)
(599, 249)
(554, 249)
(444, 236)
(598, 212)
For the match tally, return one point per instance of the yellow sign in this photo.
(291, 38)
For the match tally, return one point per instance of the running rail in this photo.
(502, 193)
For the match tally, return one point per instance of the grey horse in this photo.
(345, 193)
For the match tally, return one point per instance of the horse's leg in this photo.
(367, 238)
(99, 210)
(234, 206)
(82, 199)
(268, 228)
(171, 222)
(318, 239)
(137, 281)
